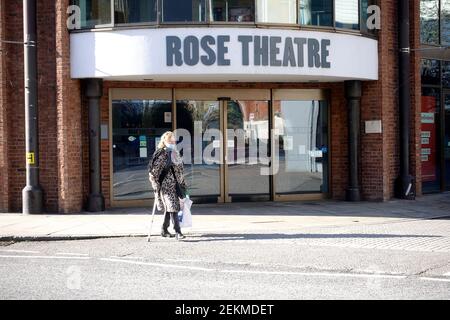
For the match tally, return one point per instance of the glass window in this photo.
(183, 11)
(233, 10)
(137, 128)
(445, 22)
(430, 139)
(429, 21)
(277, 11)
(94, 12)
(316, 12)
(430, 72)
(347, 14)
(135, 11)
(302, 146)
(446, 74)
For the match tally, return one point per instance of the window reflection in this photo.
(137, 128)
(183, 11)
(135, 11)
(430, 72)
(94, 12)
(233, 10)
(277, 11)
(429, 21)
(347, 14)
(316, 12)
(445, 22)
(302, 127)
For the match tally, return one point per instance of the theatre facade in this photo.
(271, 100)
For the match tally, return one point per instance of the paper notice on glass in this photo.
(230, 143)
(216, 144)
(426, 151)
(167, 117)
(288, 143)
(427, 117)
(301, 149)
(316, 153)
(143, 152)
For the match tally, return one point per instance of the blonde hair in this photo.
(166, 136)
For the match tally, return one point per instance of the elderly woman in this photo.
(167, 179)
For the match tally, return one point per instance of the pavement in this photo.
(232, 218)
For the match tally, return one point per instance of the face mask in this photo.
(171, 146)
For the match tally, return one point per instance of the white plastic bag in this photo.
(184, 215)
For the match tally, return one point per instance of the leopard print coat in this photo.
(165, 194)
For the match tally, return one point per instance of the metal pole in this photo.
(353, 97)
(404, 185)
(32, 193)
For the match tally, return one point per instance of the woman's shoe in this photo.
(166, 234)
(180, 236)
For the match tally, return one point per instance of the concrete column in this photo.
(353, 97)
(93, 92)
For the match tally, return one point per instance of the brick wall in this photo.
(13, 31)
(69, 121)
(4, 185)
(59, 108)
(415, 97)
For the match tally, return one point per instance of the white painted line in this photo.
(20, 251)
(157, 264)
(258, 272)
(318, 274)
(72, 254)
(183, 260)
(126, 257)
(44, 257)
(435, 279)
(447, 274)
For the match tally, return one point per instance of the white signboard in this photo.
(222, 54)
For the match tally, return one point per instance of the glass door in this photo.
(224, 140)
(200, 144)
(247, 150)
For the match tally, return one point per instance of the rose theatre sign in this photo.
(222, 54)
(273, 51)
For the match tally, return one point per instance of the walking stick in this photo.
(151, 224)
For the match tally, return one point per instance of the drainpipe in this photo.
(32, 193)
(404, 187)
(93, 93)
(353, 93)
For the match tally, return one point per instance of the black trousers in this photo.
(176, 223)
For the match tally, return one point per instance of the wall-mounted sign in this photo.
(427, 117)
(223, 54)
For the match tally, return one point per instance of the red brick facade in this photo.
(63, 114)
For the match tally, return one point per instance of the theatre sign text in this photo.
(223, 54)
